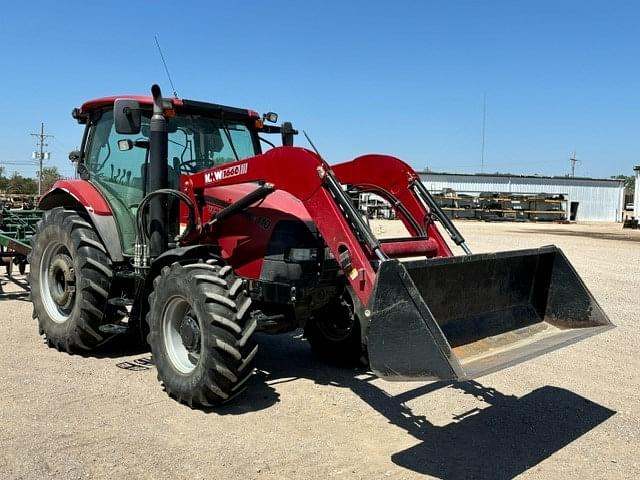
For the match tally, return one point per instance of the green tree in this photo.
(50, 175)
(19, 184)
(629, 182)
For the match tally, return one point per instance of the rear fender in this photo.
(82, 196)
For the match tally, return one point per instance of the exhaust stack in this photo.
(157, 175)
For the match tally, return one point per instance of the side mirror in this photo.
(126, 114)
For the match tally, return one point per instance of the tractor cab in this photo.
(201, 136)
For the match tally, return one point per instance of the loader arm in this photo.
(393, 180)
(307, 177)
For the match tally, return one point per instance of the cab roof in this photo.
(178, 104)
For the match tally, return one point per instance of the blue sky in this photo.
(404, 78)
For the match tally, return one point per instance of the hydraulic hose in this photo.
(143, 234)
(436, 211)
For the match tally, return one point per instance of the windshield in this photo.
(197, 143)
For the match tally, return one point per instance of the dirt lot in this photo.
(574, 413)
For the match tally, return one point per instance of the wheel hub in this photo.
(181, 335)
(338, 320)
(189, 331)
(62, 280)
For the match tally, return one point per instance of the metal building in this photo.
(591, 199)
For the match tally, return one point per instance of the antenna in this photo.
(311, 143)
(175, 94)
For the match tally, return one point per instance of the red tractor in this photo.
(181, 227)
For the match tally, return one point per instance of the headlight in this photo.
(302, 254)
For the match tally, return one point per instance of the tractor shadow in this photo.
(511, 435)
(118, 346)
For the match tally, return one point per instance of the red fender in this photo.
(81, 191)
(74, 193)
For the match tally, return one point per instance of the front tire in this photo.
(201, 333)
(70, 275)
(334, 332)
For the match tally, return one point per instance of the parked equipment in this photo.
(16, 229)
(17, 226)
(183, 228)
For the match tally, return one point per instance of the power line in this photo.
(40, 156)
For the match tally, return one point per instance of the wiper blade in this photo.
(226, 131)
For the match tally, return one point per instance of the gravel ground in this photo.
(574, 413)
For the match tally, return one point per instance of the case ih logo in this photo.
(234, 171)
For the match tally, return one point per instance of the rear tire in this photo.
(334, 332)
(70, 275)
(201, 333)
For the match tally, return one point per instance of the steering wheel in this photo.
(195, 165)
(189, 166)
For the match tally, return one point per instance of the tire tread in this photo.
(226, 328)
(94, 275)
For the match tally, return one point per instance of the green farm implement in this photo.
(16, 230)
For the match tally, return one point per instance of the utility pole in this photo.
(484, 122)
(41, 155)
(573, 160)
(636, 193)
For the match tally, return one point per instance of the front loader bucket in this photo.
(457, 318)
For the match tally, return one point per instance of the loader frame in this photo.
(306, 176)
